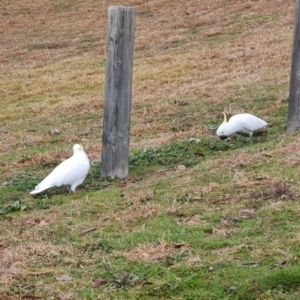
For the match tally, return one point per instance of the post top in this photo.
(120, 7)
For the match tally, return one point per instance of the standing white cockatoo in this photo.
(241, 123)
(70, 172)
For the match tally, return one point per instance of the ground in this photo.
(207, 220)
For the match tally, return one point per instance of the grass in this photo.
(197, 217)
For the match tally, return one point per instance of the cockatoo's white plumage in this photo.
(240, 123)
(70, 172)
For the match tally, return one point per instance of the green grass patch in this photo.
(47, 46)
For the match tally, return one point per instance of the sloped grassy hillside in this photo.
(200, 219)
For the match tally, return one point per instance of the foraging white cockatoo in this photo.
(241, 123)
(70, 172)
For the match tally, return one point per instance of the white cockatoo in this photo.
(244, 124)
(70, 172)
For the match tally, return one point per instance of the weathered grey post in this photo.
(118, 91)
(294, 97)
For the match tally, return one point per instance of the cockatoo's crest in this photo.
(225, 118)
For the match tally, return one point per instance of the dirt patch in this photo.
(154, 252)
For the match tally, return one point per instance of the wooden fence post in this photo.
(118, 91)
(294, 94)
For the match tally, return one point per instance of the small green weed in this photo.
(98, 244)
(17, 206)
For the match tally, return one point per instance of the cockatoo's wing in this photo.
(71, 172)
(247, 122)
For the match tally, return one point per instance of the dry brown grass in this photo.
(226, 56)
(155, 252)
